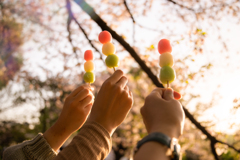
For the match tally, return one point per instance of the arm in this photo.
(161, 113)
(152, 150)
(75, 111)
(109, 110)
(74, 114)
(92, 142)
(37, 148)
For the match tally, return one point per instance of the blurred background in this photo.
(41, 61)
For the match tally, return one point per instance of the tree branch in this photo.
(70, 39)
(203, 9)
(71, 17)
(90, 11)
(190, 9)
(214, 150)
(125, 3)
(230, 146)
(133, 20)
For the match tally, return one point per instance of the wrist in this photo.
(168, 146)
(109, 129)
(60, 128)
(153, 146)
(169, 131)
(56, 136)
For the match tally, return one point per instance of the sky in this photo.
(220, 82)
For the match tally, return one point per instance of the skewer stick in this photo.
(114, 69)
(89, 84)
(168, 84)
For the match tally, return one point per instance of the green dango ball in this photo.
(89, 77)
(112, 61)
(167, 74)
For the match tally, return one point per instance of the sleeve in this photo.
(93, 142)
(37, 149)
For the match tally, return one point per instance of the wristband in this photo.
(172, 144)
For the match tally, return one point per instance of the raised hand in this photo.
(76, 108)
(113, 102)
(162, 113)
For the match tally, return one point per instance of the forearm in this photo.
(92, 142)
(56, 136)
(152, 150)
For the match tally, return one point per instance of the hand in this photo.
(76, 108)
(113, 102)
(162, 113)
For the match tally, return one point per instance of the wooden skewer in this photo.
(114, 69)
(168, 84)
(89, 84)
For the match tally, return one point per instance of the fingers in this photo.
(77, 90)
(129, 93)
(88, 108)
(117, 75)
(131, 96)
(158, 92)
(86, 101)
(126, 88)
(168, 94)
(122, 82)
(83, 94)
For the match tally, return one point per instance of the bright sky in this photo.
(223, 78)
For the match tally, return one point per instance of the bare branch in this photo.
(133, 20)
(125, 3)
(71, 17)
(201, 10)
(190, 9)
(151, 29)
(70, 39)
(220, 5)
(230, 146)
(214, 150)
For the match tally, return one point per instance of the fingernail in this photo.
(168, 93)
(177, 95)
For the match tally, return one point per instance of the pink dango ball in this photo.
(88, 55)
(104, 37)
(164, 46)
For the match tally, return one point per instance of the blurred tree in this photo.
(12, 133)
(80, 26)
(10, 40)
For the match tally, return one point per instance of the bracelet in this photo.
(172, 144)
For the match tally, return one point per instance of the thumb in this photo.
(168, 94)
